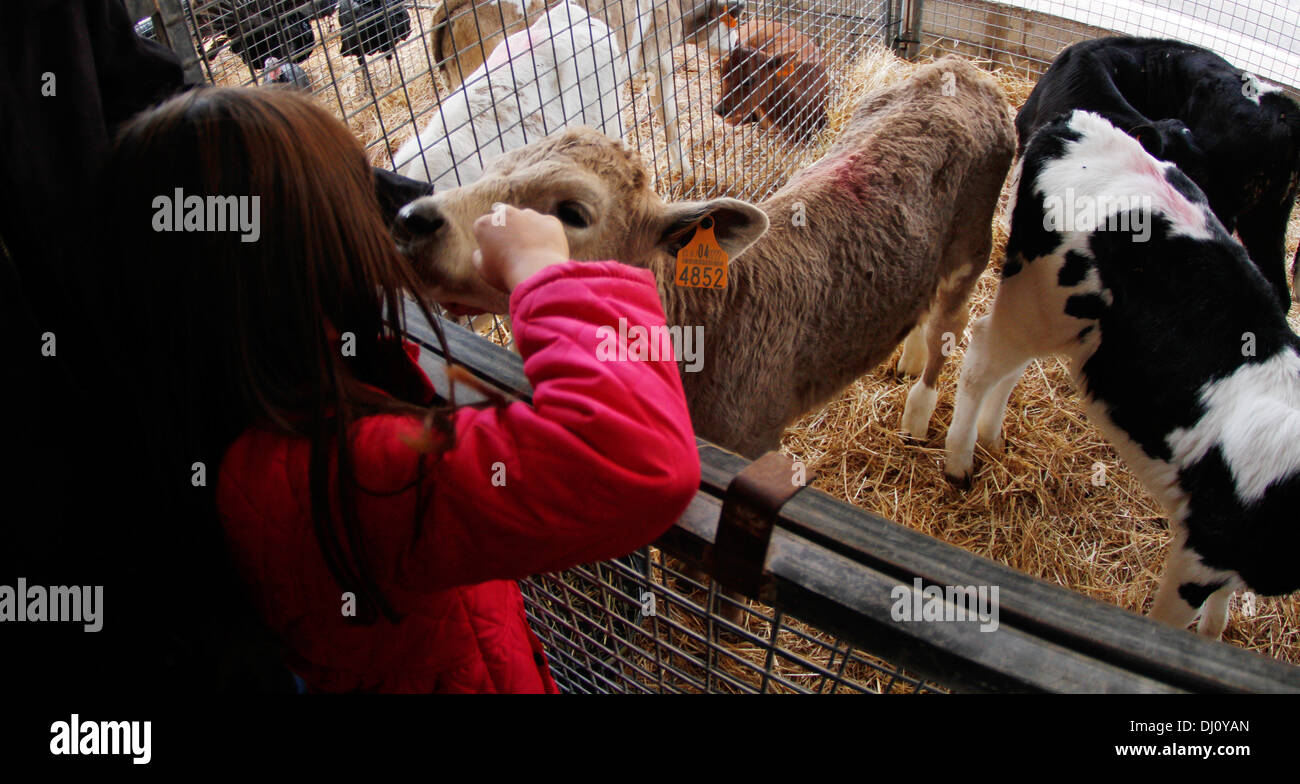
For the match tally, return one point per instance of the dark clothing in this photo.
(75, 71)
(99, 73)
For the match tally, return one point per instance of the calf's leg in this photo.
(993, 411)
(1189, 587)
(664, 100)
(912, 361)
(1263, 233)
(1171, 605)
(942, 330)
(964, 258)
(992, 367)
(1214, 614)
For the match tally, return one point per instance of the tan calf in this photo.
(826, 277)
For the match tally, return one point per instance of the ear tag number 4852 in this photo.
(702, 263)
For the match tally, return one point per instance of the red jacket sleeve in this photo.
(601, 463)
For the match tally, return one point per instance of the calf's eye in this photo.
(571, 213)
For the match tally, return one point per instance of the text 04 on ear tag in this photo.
(702, 263)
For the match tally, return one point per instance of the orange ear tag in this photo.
(702, 263)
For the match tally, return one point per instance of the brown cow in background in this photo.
(776, 77)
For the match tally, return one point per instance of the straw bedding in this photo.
(1037, 508)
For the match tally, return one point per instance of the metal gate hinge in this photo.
(750, 507)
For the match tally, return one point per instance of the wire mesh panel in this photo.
(794, 56)
(484, 76)
(480, 77)
(639, 625)
(495, 74)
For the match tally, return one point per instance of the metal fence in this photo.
(646, 623)
(639, 625)
(386, 67)
(827, 578)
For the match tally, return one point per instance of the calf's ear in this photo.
(736, 224)
(698, 15)
(1149, 137)
(773, 62)
(735, 63)
(395, 191)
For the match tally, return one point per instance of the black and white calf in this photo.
(1236, 137)
(1116, 261)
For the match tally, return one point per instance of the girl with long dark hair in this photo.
(376, 531)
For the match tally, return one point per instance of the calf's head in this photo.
(1171, 140)
(748, 77)
(713, 25)
(596, 187)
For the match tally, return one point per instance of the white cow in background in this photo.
(566, 69)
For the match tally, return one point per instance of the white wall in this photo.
(1260, 36)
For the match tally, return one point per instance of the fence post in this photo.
(910, 28)
(172, 31)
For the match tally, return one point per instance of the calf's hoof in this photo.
(910, 364)
(730, 612)
(915, 430)
(1210, 630)
(960, 481)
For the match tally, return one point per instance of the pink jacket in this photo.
(601, 463)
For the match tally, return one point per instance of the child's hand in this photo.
(514, 244)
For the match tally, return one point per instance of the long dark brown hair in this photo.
(217, 334)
